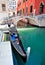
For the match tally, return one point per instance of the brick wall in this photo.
(35, 6)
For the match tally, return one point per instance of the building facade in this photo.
(3, 9)
(7, 8)
(12, 5)
(31, 7)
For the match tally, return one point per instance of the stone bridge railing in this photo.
(38, 20)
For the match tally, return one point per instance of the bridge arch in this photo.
(26, 21)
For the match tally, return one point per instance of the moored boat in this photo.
(17, 45)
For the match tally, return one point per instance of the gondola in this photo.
(17, 45)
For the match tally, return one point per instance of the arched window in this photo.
(26, 10)
(31, 8)
(41, 8)
(3, 7)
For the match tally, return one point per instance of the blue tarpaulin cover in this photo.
(13, 37)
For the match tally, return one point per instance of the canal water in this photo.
(35, 39)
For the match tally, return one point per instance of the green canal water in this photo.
(34, 38)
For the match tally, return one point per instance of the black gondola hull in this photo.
(18, 49)
(24, 58)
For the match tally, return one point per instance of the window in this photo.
(26, 9)
(20, 12)
(3, 7)
(23, 11)
(23, 0)
(41, 8)
(26, 0)
(19, 4)
(31, 7)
